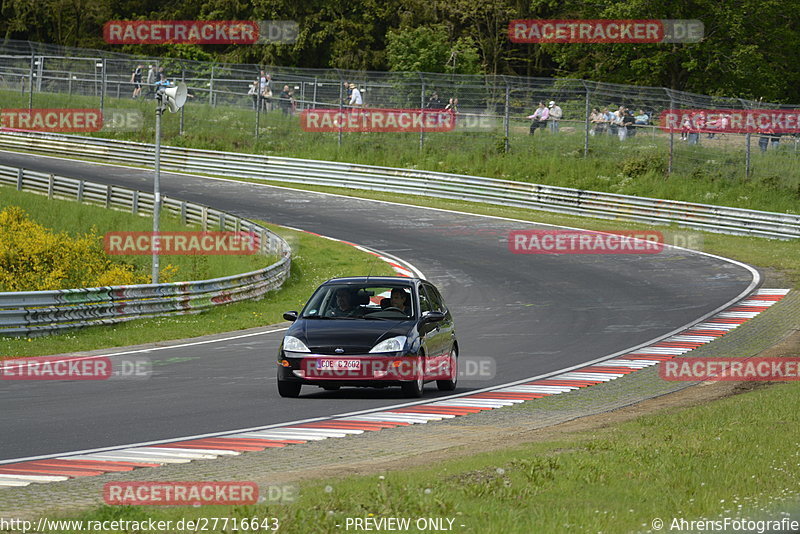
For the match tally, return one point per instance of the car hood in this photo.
(355, 336)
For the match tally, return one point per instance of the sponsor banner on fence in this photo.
(731, 369)
(605, 31)
(181, 243)
(52, 119)
(731, 120)
(199, 31)
(377, 120)
(585, 242)
(179, 493)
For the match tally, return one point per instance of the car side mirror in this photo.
(433, 317)
(290, 316)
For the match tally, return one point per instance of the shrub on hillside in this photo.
(32, 258)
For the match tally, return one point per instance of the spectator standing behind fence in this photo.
(346, 93)
(265, 90)
(555, 115)
(629, 123)
(610, 117)
(163, 82)
(595, 119)
(151, 80)
(285, 100)
(253, 92)
(452, 105)
(616, 123)
(539, 118)
(434, 102)
(355, 97)
(693, 131)
(136, 80)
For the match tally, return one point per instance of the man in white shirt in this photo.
(539, 117)
(555, 115)
(355, 96)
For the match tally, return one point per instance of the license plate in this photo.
(339, 365)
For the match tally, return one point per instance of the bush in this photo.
(34, 259)
(641, 164)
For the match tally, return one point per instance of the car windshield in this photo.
(361, 302)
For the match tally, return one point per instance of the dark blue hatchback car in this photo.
(370, 332)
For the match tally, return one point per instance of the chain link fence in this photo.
(493, 112)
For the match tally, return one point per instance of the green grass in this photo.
(314, 261)
(732, 457)
(711, 173)
(73, 218)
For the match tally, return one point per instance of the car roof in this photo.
(377, 280)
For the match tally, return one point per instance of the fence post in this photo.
(506, 117)
(69, 85)
(183, 79)
(422, 107)
(587, 112)
(670, 165)
(20, 176)
(341, 102)
(103, 85)
(30, 84)
(747, 168)
(314, 98)
(211, 87)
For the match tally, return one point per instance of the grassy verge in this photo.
(314, 261)
(723, 459)
(712, 172)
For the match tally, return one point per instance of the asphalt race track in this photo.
(533, 313)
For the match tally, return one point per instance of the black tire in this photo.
(414, 388)
(450, 385)
(289, 389)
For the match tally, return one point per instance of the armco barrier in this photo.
(564, 200)
(32, 313)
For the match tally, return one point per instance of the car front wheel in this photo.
(414, 388)
(289, 389)
(450, 385)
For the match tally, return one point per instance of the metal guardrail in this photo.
(32, 313)
(720, 219)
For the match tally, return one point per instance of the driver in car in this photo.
(345, 305)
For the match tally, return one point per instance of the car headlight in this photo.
(292, 344)
(393, 344)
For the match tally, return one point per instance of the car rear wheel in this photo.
(450, 385)
(289, 389)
